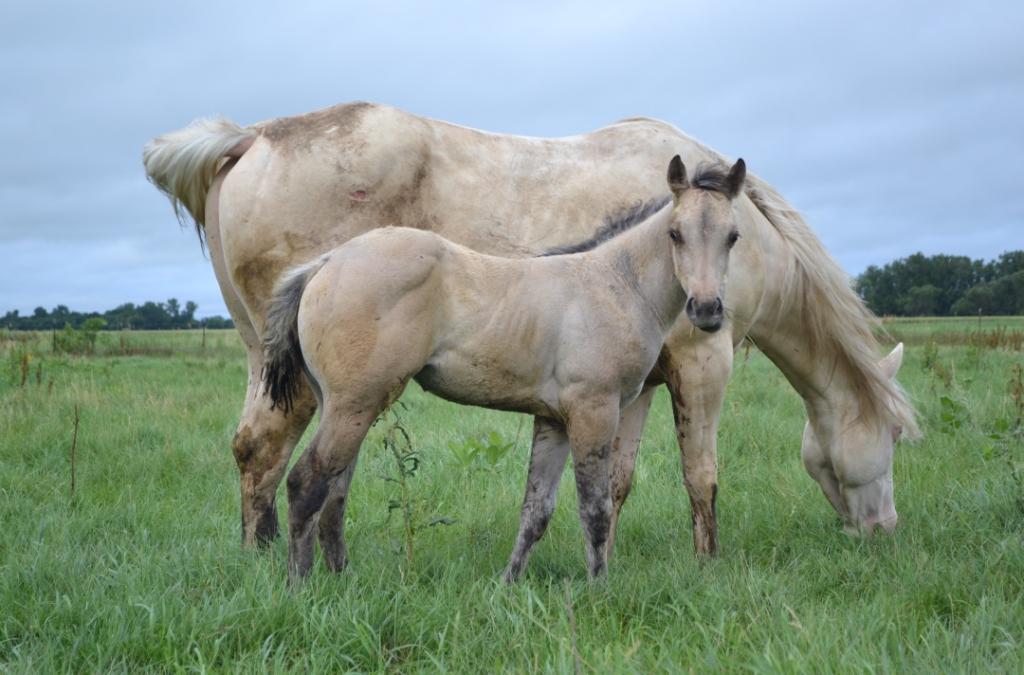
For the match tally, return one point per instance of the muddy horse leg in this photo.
(265, 438)
(696, 378)
(591, 433)
(320, 472)
(547, 463)
(624, 451)
(262, 447)
(332, 521)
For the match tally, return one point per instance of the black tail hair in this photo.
(285, 365)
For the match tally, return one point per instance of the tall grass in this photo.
(141, 570)
(1006, 332)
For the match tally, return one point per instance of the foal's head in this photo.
(703, 231)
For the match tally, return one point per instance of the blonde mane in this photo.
(817, 289)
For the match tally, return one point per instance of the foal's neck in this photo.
(641, 258)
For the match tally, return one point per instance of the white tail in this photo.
(183, 163)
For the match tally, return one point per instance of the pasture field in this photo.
(140, 567)
(989, 331)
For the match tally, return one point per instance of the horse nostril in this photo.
(689, 306)
(718, 306)
(708, 309)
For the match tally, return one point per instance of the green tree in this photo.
(1002, 297)
(189, 315)
(936, 285)
(121, 317)
(90, 328)
(11, 320)
(922, 301)
(153, 316)
(1007, 264)
(978, 300)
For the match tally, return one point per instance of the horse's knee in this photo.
(597, 523)
(263, 449)
(595, 506)
(244, 447)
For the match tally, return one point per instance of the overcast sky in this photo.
(894, 126)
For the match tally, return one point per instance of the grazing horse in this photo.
(283, 192)
(397, 304)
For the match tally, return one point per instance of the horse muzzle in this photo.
(705, 314)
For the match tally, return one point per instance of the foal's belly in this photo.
(486, 384)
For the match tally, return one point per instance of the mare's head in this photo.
(703, 231)
(850, 455)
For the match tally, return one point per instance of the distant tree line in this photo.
(918, 285)
(945, 285)
(147, 316)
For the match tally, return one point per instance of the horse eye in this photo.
(733, 238)
(674, 236)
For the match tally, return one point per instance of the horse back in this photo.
(312, 182)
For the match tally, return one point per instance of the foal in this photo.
(567, 338)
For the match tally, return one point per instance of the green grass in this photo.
(141, 568)
(1003, 331)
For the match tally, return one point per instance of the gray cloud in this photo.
(893, 128)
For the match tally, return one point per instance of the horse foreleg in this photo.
(262, 446)
(547, 463)
(591, 430)
(265, 438)
(624, 451)
(696, 378)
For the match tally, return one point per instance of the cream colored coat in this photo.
(283, 192)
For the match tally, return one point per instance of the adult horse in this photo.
(283, 192)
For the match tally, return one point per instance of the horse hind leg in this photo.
(547, 463)
(319, 482)
(332, 522)
(332, 515)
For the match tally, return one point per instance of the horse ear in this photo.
(737, 174)
(677, 176)
(890, 365)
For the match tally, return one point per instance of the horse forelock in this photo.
(817, 290)
(711, 176)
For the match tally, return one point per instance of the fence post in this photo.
(74, 451)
